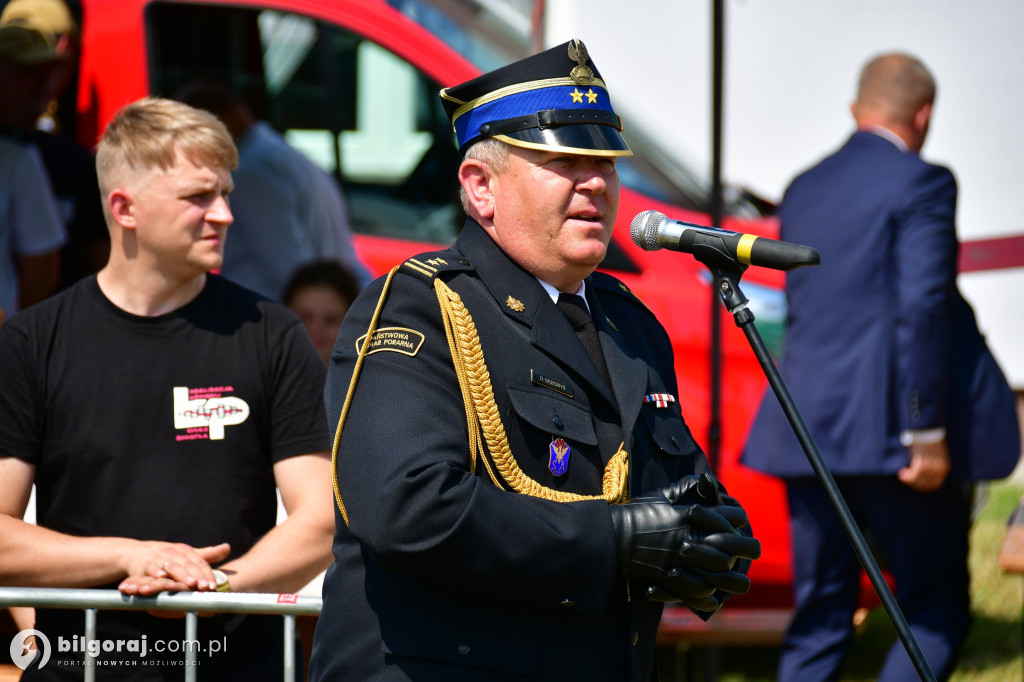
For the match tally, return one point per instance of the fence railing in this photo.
(192, 603)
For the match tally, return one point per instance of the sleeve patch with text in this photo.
(397, 339)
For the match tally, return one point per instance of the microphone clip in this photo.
(712, 251)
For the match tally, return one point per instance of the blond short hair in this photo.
(148, 133)
(494, 153)
(897, 85)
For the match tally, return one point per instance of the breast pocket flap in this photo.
(547, 411)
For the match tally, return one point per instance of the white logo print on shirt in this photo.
(205, 411)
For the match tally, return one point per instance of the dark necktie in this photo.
(575, 310)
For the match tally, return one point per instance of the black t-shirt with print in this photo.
(163, 428)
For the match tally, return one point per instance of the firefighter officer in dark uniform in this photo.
(517, 492)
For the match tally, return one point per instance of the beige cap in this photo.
(51, 17)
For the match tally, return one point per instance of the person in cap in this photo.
(517, 492)
(46, 30)
(46, 118)
(31, 230)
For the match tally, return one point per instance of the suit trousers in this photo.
(922, 540)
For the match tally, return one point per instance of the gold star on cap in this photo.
(577, 96)
(591, 96)
(515, 304)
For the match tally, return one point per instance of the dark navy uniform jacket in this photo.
(879, 340)
(442, 575)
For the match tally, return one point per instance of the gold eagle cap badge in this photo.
(515, 304)
(581, 74)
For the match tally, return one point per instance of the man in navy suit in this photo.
(884, 360)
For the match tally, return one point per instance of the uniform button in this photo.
(675, 442)
(557, 421)
(567, 603)
(463, 261)
(463, 650)
(636, 637)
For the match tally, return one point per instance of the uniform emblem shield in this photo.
(558, 459)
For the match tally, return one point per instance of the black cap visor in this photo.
(591, 139)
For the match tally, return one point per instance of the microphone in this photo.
(652, 230)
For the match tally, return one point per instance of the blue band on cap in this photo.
(467, 125)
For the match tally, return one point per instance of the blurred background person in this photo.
(288, 212)
(49, 124)
(31, 230)
(896, 384)
(320, 293)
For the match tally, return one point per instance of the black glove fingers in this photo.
(738, 546)
(694, 489)
(734, 515)
(727, 581)
(686, 584)
(709, 490)
(708, 519)
(680, 490)
(705, 556)
(655, 593)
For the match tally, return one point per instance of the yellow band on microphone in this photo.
(743, 247)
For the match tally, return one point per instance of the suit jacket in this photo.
(879, 340)
(441, 574)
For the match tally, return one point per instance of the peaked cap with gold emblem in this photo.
(554, 100)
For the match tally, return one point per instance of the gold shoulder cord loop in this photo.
(474, 379)
(352, 389)
(483, 421)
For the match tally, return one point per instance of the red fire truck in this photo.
(353, 84)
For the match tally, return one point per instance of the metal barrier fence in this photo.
(192, 603)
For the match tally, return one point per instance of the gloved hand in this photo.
(694, 489)
(741, 546)
(705, 489)
(685, 551)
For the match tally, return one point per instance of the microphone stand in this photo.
(727, 271)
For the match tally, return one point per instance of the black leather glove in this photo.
(705, 489)
(740, 545)
(694, 489)
(685, 551)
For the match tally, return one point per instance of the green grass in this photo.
(994, 651)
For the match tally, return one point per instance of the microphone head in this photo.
(644, 229)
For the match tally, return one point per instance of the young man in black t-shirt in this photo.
(156, 407)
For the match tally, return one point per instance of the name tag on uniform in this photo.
(546, 382)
